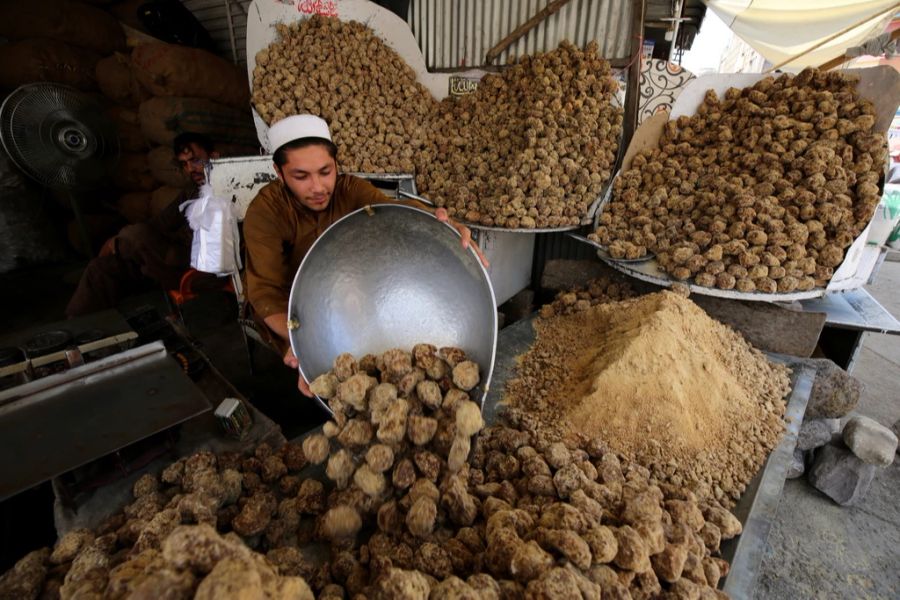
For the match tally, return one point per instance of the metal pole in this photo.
(80, 224)
(835, 62)
(633, 87)
(679, 7)
(834, 36)
(234, 55)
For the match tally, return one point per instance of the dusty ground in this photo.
(817, 549)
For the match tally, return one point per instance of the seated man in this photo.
(143, 255)
(289, 214)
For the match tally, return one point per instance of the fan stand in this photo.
(72, 139)
(79, 222)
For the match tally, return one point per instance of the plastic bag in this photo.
(215, 247)
(886, 222)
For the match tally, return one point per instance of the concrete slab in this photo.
(884, 347)
(884, 288)
(817, 549)
(881, 398)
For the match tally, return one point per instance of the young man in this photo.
(143, 255)
(289, 214)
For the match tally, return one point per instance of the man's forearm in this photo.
(278, 324)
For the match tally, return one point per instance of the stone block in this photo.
(841, 475)
(870, 441)
(798, 465)
(837, 434)
(834, 393)
(814, 433)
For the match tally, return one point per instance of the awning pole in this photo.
(234, 54)
(835, 62)
(821, 43)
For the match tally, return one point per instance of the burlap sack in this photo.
(62, 20)
(131, 138)
(172, 70)
(117, 81)
(162, 164)
(47, 60)
(133, 173)
(161, 198)
(126, 11)
(134, 206)
(164, 118)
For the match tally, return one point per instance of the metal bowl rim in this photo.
(484, 273)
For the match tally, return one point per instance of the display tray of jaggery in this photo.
(756, 187)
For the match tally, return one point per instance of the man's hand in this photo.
(108, 248)
(465, 232)
(278, 324)
(291, 361)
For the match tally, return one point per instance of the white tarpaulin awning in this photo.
(782, 29)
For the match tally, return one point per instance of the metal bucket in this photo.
(391, 276)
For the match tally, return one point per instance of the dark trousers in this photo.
(144, 258)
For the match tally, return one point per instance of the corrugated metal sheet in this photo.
(214, 17)
(458, 33)
(657, 10)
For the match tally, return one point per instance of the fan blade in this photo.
(58, 136)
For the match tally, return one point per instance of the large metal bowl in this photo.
(391, 277)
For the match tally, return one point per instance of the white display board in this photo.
(394, 31)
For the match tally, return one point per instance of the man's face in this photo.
(193, 161)
(310, 173)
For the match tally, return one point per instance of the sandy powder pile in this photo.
(663, 384)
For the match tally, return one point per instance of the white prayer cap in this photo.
(297, 127)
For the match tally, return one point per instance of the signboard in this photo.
(325, 8)
(462, 86)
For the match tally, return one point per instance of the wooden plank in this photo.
(522, 29)
(564, 274)
(768, 327)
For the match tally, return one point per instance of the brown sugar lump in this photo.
(341, 522)
(465, 375)
(316, 448)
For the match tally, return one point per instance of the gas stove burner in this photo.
(11, 355)
(91, 335)
(47, 342)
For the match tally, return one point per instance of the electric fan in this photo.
(59, 137)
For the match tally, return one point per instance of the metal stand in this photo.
(849, 315)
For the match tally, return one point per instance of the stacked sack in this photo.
(162, 90)
(117, 81)
(55, 40)
(60, 41)
(153, 92)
